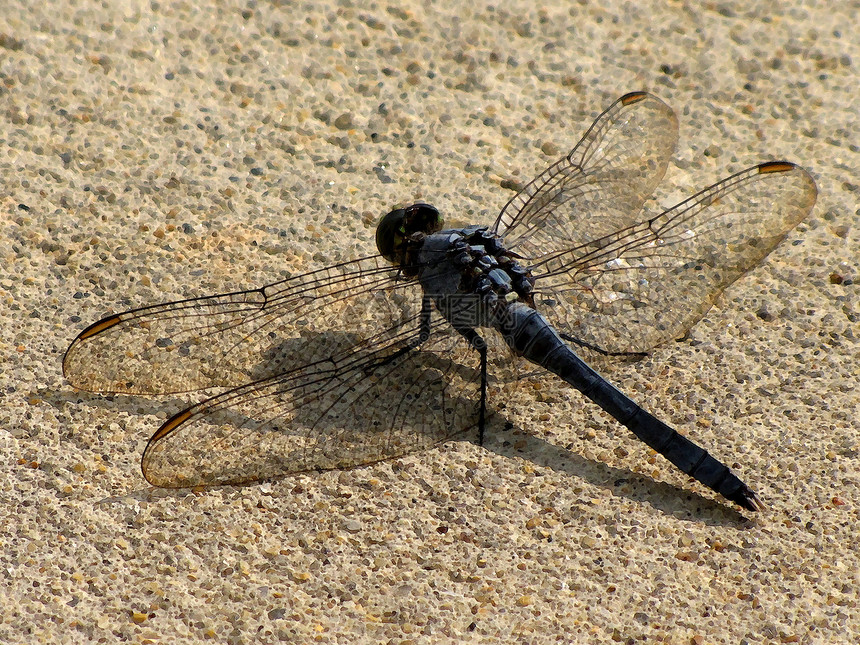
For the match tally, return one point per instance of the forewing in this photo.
(373, 401)
(235, 338)
(648, 283)
(599, 187)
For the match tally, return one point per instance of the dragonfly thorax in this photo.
(471, 276)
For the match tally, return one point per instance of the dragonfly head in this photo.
(396, 229)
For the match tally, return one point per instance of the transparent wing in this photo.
(232, 339)
(327, 370)
(373, 401)
(600, 186)
(648, 282)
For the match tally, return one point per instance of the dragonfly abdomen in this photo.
(529, 334)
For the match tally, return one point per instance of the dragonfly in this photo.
(383, 355)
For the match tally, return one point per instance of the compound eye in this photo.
(422, 218)
(396, 226)
(389, 234)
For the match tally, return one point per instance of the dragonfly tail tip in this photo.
(748, 500)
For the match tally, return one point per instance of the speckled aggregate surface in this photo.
(158, 150)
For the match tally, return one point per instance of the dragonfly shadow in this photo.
(64, 401)
(661, 496)
(322, 409)
(319, 346)
(310, 369)
(511, 443)
(286, 354)
(132, 404)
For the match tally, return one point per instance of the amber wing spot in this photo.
(170, 425)
(633, 97)
(776, 166)
(98, 327)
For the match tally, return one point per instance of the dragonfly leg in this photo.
(477, 342)
(423, 335)
(602, 352)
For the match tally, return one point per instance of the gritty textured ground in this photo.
(158, 150)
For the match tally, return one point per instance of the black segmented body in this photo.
(529, 334)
